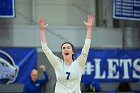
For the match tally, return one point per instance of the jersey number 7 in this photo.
(68, 75)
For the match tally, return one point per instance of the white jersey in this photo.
(68, 77)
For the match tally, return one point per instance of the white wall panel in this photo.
(63, 12)
(28, 36)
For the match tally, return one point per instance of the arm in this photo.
(83, 57)
(44, 81)
(89, 25)
(43, 27)
(52, 58)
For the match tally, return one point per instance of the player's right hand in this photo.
(42, 24)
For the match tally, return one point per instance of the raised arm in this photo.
(44, 81)
(89, 25)
(83, 57)
(52, 58)
(43, 27)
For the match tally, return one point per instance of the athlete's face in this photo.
(67, 51)
(34, 75)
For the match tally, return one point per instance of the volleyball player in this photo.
(67, 70)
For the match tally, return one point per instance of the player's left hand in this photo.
(90, 21)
